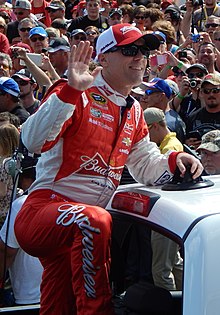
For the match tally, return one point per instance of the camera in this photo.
(182, 54)
(195, 38)
(193, 83)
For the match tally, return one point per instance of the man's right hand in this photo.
(78, 75)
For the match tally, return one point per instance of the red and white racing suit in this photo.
(84, 143)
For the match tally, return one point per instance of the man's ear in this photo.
(103, 60)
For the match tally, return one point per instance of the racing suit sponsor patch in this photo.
(74, 214)
(164, 178)
(98, 98)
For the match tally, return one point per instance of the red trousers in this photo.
(72, 241)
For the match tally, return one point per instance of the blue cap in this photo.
(161, 35)
(38, 31)
(159, 84)
(9, 86)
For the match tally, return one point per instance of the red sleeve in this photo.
(4, 44)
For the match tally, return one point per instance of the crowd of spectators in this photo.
(181, 79)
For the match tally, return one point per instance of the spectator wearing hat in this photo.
(115, 16)
(76, 36)
(22, 9)
(24, 27)
(38, 39)
(188, 99)
(93, 18)
(206, 118)
(27, 85)
(5, 65)
(167, 264)
(158, 94)
(56, 10)
(173, 14)
(58, 50)
(209, 150)
(9, 99)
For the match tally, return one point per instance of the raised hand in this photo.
(78, 75)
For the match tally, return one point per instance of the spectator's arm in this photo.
(187, 19)
(39, 75)
(11, 253)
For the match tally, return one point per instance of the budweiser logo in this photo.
(97, 166)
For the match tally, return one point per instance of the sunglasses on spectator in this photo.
(19, 13)
(34, 39)
(2, 26)
(139, 17)
(22, 82)
(209, 91)
(218, 39)
(91, 33)
(211, 25)
(149, 92)
(25, 29)
(78, 37)
(178, 74)
(131, 50)
(52, 10)
(196, 75)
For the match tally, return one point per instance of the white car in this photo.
(191, 218)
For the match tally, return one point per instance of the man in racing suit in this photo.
(86, 130)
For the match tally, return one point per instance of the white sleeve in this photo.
(147, 165)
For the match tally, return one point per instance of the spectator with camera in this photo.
(173, 14)
(207, 117)
(188, 98)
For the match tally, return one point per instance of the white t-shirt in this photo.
(26, 271)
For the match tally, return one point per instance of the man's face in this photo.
(115, 19)
(92, 8)
(216, 39)
(24, 30)
(21, 13)
(153, 98)
(206, 55)
(210, 161)
(38, 43)
(125, 71)
(211, 96)
(76, 39)
(56, 56)
(4, 68)
(24, 86)
(212, 24)
(56, 13)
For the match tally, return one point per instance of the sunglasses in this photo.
(196, 75)
(91, 33)
(139, 17)
(209, 91)
(211, 25)
(149, 92)
(77, 37)
(19, 13)
(52, 10)
(131, 50)
(34, 39)
(2, 26)
(22, 82)
(25, 29)
(178, 74)
(218, 39)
